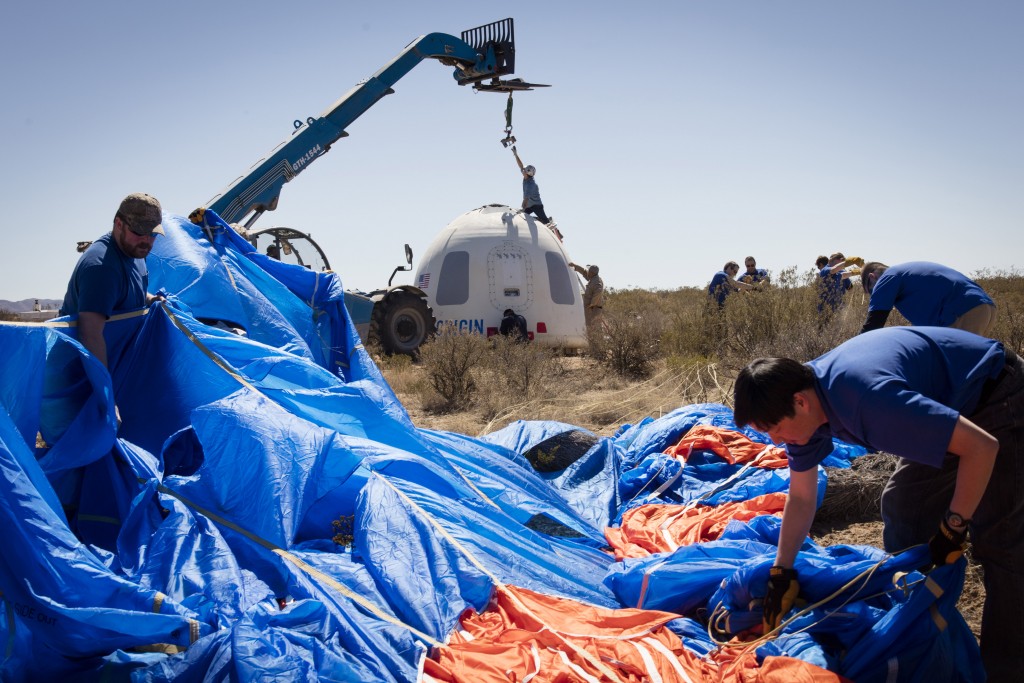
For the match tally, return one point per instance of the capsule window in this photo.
(453, 283)
(562, 291)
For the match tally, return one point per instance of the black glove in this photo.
(783, 589)
(947, 545)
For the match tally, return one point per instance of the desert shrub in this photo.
(515, 373)
(784, 320)
(691, 324)
(664, 338)
(345, 528)
(780, 320)
(450, 359)
(7, 315)
(1007, 291)
(401, 373)
(629, 340)
(1009, 327)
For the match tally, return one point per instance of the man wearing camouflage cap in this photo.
(111, 275)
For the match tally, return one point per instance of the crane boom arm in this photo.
(486, 52)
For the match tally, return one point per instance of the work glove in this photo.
(783, 589)
(853, 261)
(947, 545)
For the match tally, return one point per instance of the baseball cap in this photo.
(141, 213)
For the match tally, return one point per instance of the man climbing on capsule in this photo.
(531, 195)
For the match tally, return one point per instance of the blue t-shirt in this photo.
(758, 275)
(833, 287)
(926, 293)
(718, 289)
(531, 192)
(106, 281)
(898, 390)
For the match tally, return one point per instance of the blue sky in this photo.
(677, 134)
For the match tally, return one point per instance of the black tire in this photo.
(402, 321)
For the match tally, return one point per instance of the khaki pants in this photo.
(594, 318)
(978, 320)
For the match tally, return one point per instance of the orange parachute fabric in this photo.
(651, 529)
(732, 446)
(527, 636)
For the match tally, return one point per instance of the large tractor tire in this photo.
(402, 321)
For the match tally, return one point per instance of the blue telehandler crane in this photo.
(397, 317)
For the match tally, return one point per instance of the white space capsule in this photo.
(494, 258)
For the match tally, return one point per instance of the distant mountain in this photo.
(29, 304)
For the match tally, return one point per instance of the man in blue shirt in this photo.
(723, 283)
(111, 276)
(926, 294)
(834, 280)
(948, 402)
(754, 275)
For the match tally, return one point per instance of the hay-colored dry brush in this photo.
(659, 349)
(1007, 290)
(401, 373)
(514, 374)
(786, 320)
(629, 339)
(451, 359)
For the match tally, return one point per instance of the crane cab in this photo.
(494, 258)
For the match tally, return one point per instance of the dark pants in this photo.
(917, 496)
(538, 211)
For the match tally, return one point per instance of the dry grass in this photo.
(580, 391)
(665, 349)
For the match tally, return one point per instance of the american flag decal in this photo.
(424, 281)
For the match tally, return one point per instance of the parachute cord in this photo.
(864, 577)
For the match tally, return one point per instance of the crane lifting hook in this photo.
(509, 139)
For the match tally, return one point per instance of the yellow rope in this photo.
(863, 577)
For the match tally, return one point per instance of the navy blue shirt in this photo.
(718, 289)
(926, 293)
(106, 281)
(833, 287)
(898, 390)
(755, 277)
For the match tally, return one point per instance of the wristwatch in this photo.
(955, 521)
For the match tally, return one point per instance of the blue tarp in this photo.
(193, 541)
